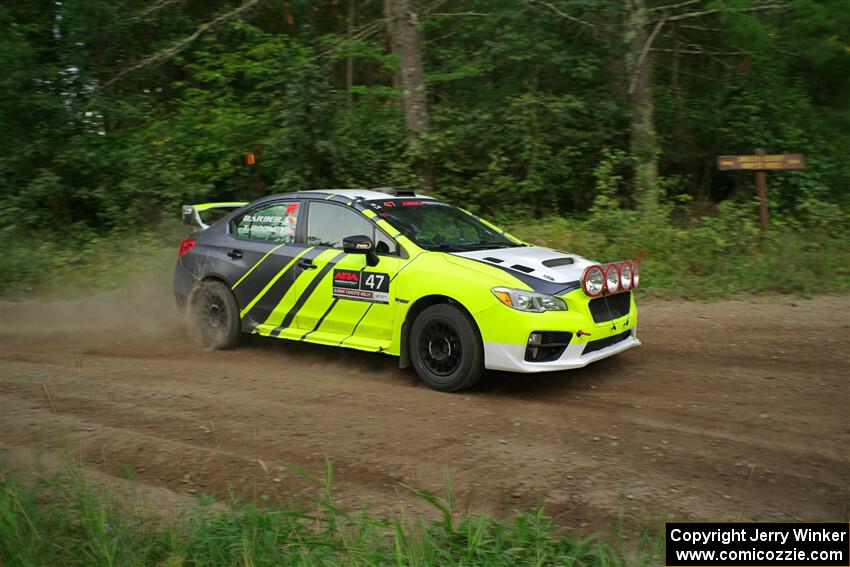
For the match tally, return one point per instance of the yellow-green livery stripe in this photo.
(321, 319)
(369, 213)
(284, 301)
(354, 330)
(387, 227)
(260, 261)
(305, 294)
(272, 281)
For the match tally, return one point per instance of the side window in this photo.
(274, 223)
(328, 224)
(384, 244)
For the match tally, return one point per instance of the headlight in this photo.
(636, 275)
(593, 281)
(612, 278)
(528, 300)
(626, 275)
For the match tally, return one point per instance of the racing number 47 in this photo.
(371, 282)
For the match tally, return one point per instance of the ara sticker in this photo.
(361, 286)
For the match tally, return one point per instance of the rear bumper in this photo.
(180, 301)
(184, 281)
(511, 357)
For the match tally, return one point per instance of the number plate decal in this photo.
(361, 286)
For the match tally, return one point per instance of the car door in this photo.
(345, 301)
(265, 254)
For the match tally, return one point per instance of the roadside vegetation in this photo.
(61, 520)
(718, 254)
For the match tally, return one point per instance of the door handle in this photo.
(235, 254)
(307, 265)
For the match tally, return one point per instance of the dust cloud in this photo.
(143, 308)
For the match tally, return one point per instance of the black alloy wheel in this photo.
(445, 348)
(440, 348)
(214, 311)
(213, 315)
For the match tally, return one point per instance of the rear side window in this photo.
(273, 223)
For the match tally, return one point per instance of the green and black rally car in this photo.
(387, 270)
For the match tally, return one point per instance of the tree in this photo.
(643, 143)
(120, 110)
(405, 23)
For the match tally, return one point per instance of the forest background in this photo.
(588, 125)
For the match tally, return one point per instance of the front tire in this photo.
(445, 349)
(213, 316)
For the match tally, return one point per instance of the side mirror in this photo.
(361, 244)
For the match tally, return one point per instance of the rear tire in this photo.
(213, 316)
(445, 349)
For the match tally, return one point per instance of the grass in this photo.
(61, 268)
(719, 255)
(64, 521)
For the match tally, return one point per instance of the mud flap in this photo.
(404, 355)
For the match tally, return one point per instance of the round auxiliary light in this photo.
(593, 281)
(636, 275)
(612, 278)
(626, 275)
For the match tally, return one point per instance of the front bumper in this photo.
(505, 334)
(511, 357)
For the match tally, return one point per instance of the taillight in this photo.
(186, 245)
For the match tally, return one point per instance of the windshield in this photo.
(437, 226)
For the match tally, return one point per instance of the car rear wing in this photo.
(203, 215)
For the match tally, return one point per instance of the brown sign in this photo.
(758, 162)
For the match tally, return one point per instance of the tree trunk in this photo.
(639, 65)
(413, 86)
(349, 61)
(392, 40)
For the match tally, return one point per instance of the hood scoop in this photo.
(494, 260)
(555, 262)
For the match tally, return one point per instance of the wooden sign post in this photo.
(760, 163)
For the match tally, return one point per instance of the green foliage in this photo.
(65, 521)
(529, 116)
(779, 82)
(716, 255)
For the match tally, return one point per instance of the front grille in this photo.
(609, 307)
(599, 344)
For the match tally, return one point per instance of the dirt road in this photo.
(730, 411)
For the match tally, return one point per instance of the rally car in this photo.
(391, 271)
